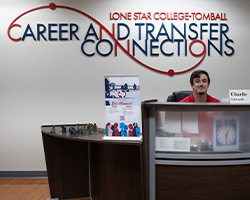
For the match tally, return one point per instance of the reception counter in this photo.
(85, 165)
(196, 151)
(188, 151)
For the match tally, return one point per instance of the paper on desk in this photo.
(173, 122)
(190, 122)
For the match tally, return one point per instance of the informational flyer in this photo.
(123, 109)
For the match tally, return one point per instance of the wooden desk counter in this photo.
(88, 166)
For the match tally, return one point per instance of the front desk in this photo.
(196, 151)
(188, 151)
(84, 166)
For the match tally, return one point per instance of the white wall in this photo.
(53, 82)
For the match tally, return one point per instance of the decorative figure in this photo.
(95, 128)
(72, 130)
(53, 130)
(63, 129)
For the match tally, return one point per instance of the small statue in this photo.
(90, 128)
(63, 129)
(95, 128)
(53, 130)
(79, 130)
(85, 128)
(72, 130)
(101, 130)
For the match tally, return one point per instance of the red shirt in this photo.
(190, 98)
(205, 119)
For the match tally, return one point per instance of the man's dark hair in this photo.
(197, 74)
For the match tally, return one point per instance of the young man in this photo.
(200, 82)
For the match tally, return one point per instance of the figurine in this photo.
(90, 128)
(53, 130)
(95, 128)
(72, 130)
(63, 129)
(79, 130)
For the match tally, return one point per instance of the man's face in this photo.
(200, 85)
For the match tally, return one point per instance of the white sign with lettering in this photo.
(239, 96)
(172, 144)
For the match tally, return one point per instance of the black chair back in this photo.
(176, 96)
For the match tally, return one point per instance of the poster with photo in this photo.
(123, 109)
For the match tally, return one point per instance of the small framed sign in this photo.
(239, 96)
